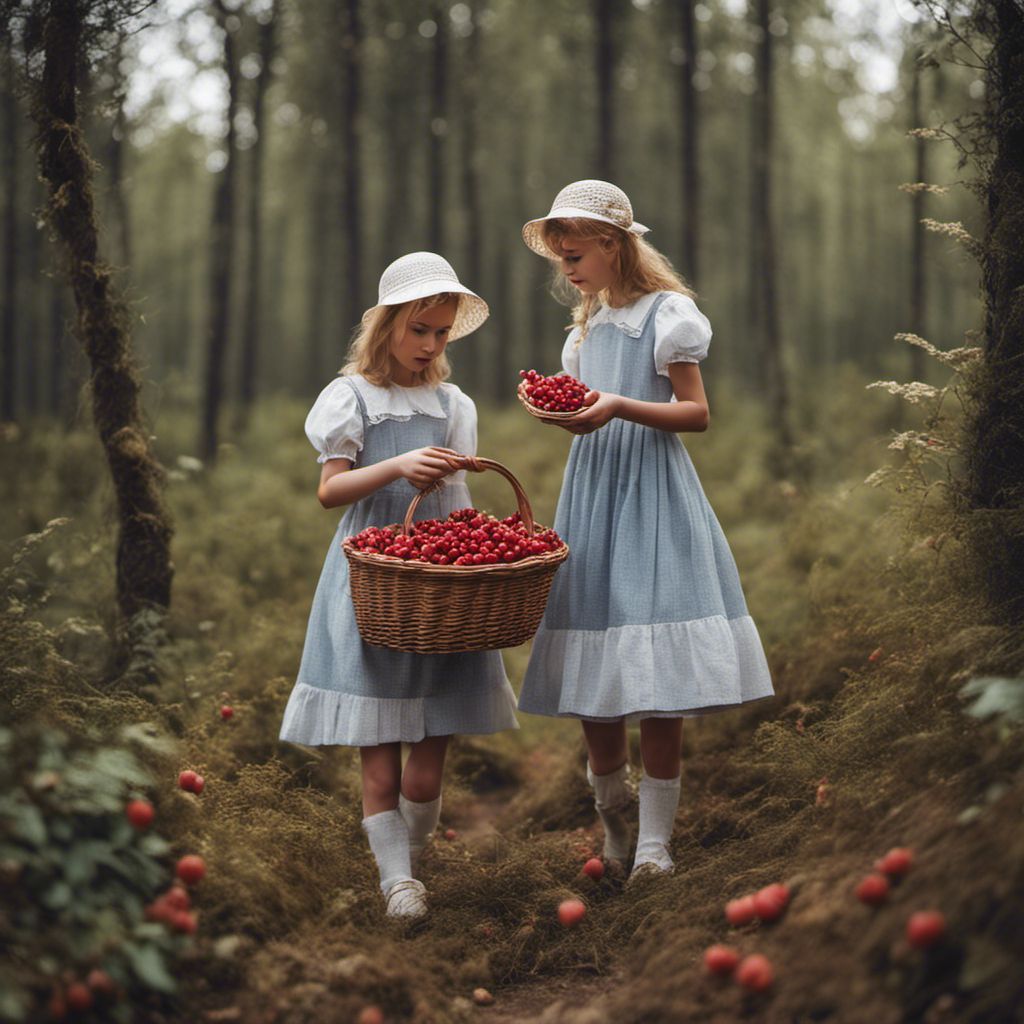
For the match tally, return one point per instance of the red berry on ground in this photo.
(875, 655)
(450, 833)
(755, 973)
(79, 996)
(571, 912)
(177, 898)
(226, 712)
(898, 861)
(720, 959)
(187, 779)
(197, 786)
(191, 868)
(740, 911)
(594, 868)
(873, 890)
(823, 795)
(99, 981)
(140, 813)
(370, 1015)
(771, 901)
(925, 928)
(183, 921)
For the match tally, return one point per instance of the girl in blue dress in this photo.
(381, 429)
(646, 621)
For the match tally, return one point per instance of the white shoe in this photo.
(646, 869)
(407, 898)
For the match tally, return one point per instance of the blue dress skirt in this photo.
(354, 694)
(646, 618)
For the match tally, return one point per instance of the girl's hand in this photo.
(422, 466)
(598, 408)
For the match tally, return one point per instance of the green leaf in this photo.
(29, 824)
(13, 1003)
(149, 967)
(120, 764)
(58, 896)
(154, 845)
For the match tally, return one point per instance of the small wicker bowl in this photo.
(541, 414)
(445, 609)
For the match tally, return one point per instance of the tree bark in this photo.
(222, 254)
(688, 108)
(436, 200)
(918, 309)
(144, 568)
(8, 320)
(995, 485)
(604, 56)
(471, 160)
(252, 304)
(764, 265)
(116, 155)
(352, 190)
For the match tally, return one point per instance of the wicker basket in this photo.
(541, 414)
(444, 609)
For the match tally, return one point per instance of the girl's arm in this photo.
(340, 484)
(688, 413)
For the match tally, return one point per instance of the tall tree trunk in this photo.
(116, 154)
(688, 108)
(995, 485)
(918, 308)
(317, 277)
(8, 321)
(436, 200)
(764, 280)
(222, 253)
(143, 547)
(252, 306)
(351, 140)
(604, 56)
(471, 160)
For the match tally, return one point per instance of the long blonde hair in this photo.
(639, 268)
(370, 351)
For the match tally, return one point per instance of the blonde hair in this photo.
(639, 268)
(370, 351)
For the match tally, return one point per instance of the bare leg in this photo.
(606, 745)
(660, 743)
(424, 769)
(382, 773)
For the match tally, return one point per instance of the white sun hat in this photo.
(418, 275)
(589, 199)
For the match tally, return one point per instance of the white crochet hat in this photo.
(419, 275)
(589, 199)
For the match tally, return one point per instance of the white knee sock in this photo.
(612, 799)
(389, 841)
(421, 819)
(659, 799)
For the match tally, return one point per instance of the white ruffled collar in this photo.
(398, 403)
(629, 319)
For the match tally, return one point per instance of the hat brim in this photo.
(472, 311)
(533, 233)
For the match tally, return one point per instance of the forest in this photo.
(198, 198)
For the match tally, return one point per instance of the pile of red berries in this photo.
(466, 537)
(553, 394)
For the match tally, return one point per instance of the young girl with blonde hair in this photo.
(646, 621)
(382, 429)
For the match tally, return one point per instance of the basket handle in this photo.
(475, 464)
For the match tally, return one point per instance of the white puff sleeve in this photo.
(682, 333)
(334, 425)
(571, 354)
(461, 433)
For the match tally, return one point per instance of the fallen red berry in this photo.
(925, 928)
(755, 973)
(875, 655)
(191, 868)
(140, 813)
(227, 711)
(370, 1015)
(720, 959)
(571, 912)
(450, 833)
(594, 868)
(99, 981)
(873, 890)
(771, 901)
(823, 795)
(187, 779)
(79, 996)
(898, 861)
(740, 911)
(197, 786)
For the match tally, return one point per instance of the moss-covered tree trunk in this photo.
(144, 568)
(8, 302)
(996, 461)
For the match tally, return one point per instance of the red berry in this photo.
(159, 910)
(197, 786)
(594, 868)
(740, 911)
(177, 898)
(925, 928)
(571, 912)
(771, 901)
(755, 973)
(226, 712)
(58, 1006)
(187, 779)
(898, 861)
(101, 982)
(370, 1015)
(140, 813)
(183, 921)
(191, 868)
(79, 996)
(875, 655)
(450, 833)
(873, 890)
(720, 959)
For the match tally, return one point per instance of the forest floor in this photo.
(872, 632)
